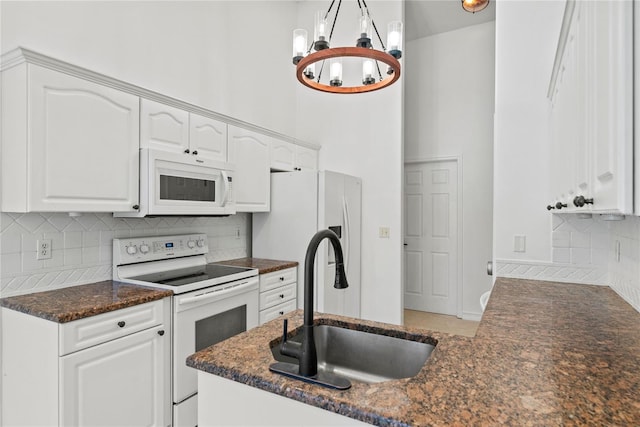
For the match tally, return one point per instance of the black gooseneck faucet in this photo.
(305, 352)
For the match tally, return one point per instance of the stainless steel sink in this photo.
(363, 356)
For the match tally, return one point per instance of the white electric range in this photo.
(211, 302)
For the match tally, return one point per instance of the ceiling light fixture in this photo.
(474, 6)
(372, 79)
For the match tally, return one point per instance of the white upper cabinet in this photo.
(172, 129)
(68, 144)
(163, 127)
(208, 137)
(250, 151)
(591, 94)
(306, 158)
(288, 157)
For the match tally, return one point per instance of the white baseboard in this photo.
(472, 316)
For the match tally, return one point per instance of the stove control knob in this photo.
(132, 250)
(144, 248)
(200, 243)
(191, 244)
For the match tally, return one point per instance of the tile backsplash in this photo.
(590, 251)
(81, 247)
(624, 260)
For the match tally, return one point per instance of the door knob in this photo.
(549, 207)
(187, 151)
(561, 205)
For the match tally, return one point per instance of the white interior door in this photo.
(431, 237)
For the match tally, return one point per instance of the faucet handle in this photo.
(285, 324)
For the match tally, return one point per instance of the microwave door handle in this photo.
(225, 182)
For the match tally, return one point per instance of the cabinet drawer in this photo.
(276, 311)
(277, 296)
(94, 330)
(277, 278)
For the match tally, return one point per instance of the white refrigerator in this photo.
(302, 203)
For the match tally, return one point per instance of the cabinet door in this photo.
(251, 185)
(122, 382)
(306, 158)
(283, 155)
(163, 127)
(612, 87)
(207, 137)
(83, 151)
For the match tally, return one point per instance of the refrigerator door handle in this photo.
(347, 232)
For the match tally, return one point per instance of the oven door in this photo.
(206, 317)
(177, 184)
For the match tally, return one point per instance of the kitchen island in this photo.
(545, 354)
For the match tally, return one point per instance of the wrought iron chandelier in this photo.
(311, 65)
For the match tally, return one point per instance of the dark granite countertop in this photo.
(77, 302)
(263, 265)
(545, 354)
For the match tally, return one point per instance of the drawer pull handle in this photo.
(281, 313)
(161, 332)
(121, 324)
(281, 295)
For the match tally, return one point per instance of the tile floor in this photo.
(440, 323)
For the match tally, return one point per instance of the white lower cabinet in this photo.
(120, 379)
(277, 293)
(223, 402)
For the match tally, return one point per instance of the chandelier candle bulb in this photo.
(320, 39)
(364, 22)
(299, 45)
(310, 71)
(367, 72)
(394, 39)
(336, 72)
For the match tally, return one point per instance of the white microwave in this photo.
(173, 183)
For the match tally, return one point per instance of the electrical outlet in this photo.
(238, 233)
(384, 232)
(519, 243)
(44, 249)
(617, 250)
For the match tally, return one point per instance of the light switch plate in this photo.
(384, 232)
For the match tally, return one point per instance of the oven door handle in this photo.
(216, 294)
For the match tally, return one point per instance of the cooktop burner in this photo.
(187, 276)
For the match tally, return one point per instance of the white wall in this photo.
(449, 113)
(221, 55)
(526, 38)
(361, 135)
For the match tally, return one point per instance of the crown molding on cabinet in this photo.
(562, 41)
(21, 55)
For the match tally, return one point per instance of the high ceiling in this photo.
(427, 17)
